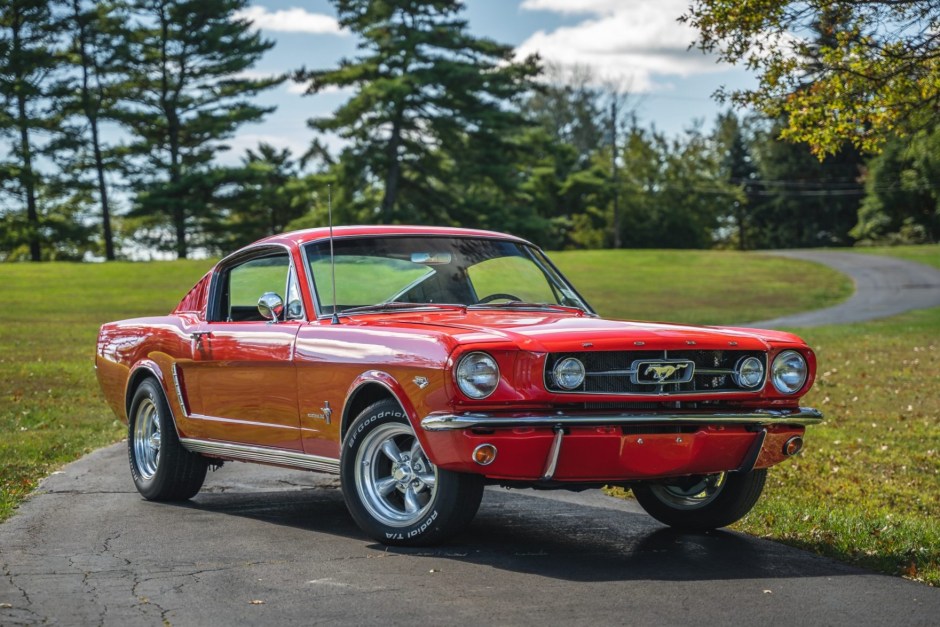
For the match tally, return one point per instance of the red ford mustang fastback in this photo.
(445, 360)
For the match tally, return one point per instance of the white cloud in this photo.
(255, 75)
(635, 44)
(240, 143)
(301, 88)
(294, 87)
(574, 6)
(293, 20)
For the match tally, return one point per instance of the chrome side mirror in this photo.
(271, 306)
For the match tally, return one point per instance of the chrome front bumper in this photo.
(447, 422)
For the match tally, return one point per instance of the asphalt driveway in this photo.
(263, 546)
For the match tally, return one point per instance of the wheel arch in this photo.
(372, 387)
(142, 371)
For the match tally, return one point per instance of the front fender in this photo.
(391, 387)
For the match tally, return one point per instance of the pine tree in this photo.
(435, 109)
(188, 92)
(96, 32)
(804, 202)
(267, 192)
(27, 61)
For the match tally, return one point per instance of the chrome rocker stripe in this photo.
(446, 422)
(279, 457)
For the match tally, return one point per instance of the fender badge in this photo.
(326, 410)
(421, 382)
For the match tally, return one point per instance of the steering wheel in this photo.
(497, 296)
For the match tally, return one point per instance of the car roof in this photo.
(309, 235)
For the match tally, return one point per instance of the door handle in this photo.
(198, 335)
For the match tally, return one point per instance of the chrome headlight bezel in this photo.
(472, 373)
(745, 370)
(789, 372)
(571, 365)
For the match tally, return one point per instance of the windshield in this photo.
(382, 271)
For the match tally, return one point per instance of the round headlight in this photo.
(749, 372)
(477, 375)
(568, 373)
(789, 372)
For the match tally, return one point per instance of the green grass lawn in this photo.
(51, 411)
(866, 489)
(701, 287)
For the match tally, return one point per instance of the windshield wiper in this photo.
(397, 306)
(518, 304)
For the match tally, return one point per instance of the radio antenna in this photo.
(329, 205)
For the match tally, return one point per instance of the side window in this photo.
(246, 283)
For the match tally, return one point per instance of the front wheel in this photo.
(161, 468)
(702, 502)
(393, 491)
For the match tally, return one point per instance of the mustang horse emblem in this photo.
(663, 372)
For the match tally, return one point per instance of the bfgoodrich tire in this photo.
(393, 491)
(161, 468)
(702, 503)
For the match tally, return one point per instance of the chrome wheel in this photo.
(146, 439)
(693, 495)
(395, 480)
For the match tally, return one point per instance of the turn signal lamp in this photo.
(484, 454)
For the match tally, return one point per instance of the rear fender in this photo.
(149, 368)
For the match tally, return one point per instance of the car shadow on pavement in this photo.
(545, 537)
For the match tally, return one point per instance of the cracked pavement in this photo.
(262, 545)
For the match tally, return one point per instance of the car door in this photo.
(242, 382)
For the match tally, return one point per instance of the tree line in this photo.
(113, 115)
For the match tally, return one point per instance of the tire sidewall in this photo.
(431, 525)
(149, 389)
(738, 495)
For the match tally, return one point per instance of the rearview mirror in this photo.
(271, 306)
(431, 259)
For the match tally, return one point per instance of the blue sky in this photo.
(634, 43)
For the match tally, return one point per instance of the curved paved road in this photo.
(884, 286)
(269, 546)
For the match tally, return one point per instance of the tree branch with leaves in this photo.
(854, 70)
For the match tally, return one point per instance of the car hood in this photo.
(564, 332)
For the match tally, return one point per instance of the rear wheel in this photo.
(702, 502)
(161, 468)
(393, 491)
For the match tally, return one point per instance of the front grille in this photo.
(613, 372)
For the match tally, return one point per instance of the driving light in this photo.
(749, 372)
(789, 372)
(568, 373)
(477, 375)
